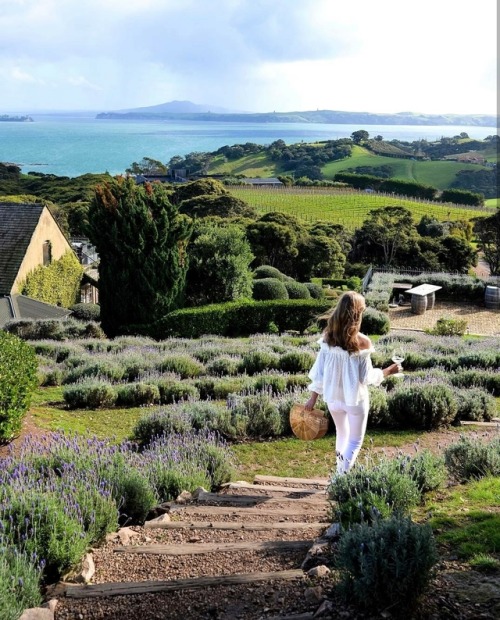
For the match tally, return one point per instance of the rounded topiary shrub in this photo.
(266, 271)
(315, 290)
(296, 290)
(426, 407)
(269, 288)
(375, 322)
(86, 312)
(18, 379)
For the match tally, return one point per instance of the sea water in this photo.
(71, 145)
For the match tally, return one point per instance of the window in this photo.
(47, 253)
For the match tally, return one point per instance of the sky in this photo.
(430, 56)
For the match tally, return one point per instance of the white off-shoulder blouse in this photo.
(340, 375)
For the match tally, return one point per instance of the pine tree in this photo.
(141, 241)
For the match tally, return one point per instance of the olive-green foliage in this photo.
(364, 494)
(158, 423)
(379, 409)
(257, 361)
(449, 327)
(257, 415)
(134, 494)
(86, 312)
(468, 458)
(141, 240)
(269, 288)
(175, 391)
(137, 394)
(183, 365)
(90, 394)
(19, 584)
(57, 283)
(53, 329)
(386, 565)
(296, 290)
(296, 361)
(59, 539)
(18, 378)
(425, 407)
(475, 404)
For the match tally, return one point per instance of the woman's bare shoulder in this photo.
(364, 342)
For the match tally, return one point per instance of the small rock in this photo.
(332, 532)
(125, 534)
(199, 491)
(88, 570)
(184, 497)
(37, 613)
(194, 539)
(314, 594)
(325, 610)
(52, 604)
(318, 571)
(152, 523)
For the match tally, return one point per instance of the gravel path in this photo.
(480, 321)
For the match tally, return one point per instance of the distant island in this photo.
(188, 111)
(15, 119)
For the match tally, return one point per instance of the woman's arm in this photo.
(316, 376)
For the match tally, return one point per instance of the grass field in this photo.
(439, 174)
(348, 208)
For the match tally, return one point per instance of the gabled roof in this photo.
(22, 307)
(17, 225)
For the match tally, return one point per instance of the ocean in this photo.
(71, 145)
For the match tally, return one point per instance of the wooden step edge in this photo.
(142, 587)
(323, 482)
(251, 500)
(234, 525)
(315, 510)
(202, 548)
(272, 488)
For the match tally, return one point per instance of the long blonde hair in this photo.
(344, 322)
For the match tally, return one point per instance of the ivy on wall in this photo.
(57, 283)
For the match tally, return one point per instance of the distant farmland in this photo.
(347, 207)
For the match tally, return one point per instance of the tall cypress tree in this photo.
(141, 241)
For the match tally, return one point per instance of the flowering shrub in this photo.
(387, 564)
(468, 459)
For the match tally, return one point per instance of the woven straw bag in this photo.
(308, 425)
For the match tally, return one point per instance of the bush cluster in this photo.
(53, 329)
(18, 376)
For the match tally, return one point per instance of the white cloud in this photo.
(434, 56)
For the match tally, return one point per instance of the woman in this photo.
(341, 374)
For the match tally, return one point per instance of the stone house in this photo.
(29, 237)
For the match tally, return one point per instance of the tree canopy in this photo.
(141, 240)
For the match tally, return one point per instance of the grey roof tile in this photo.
(17, 225)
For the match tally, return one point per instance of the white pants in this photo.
(350, 424)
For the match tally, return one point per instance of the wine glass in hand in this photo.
(398, 357)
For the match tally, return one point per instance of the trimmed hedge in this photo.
(243, 318)
(240, 318)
